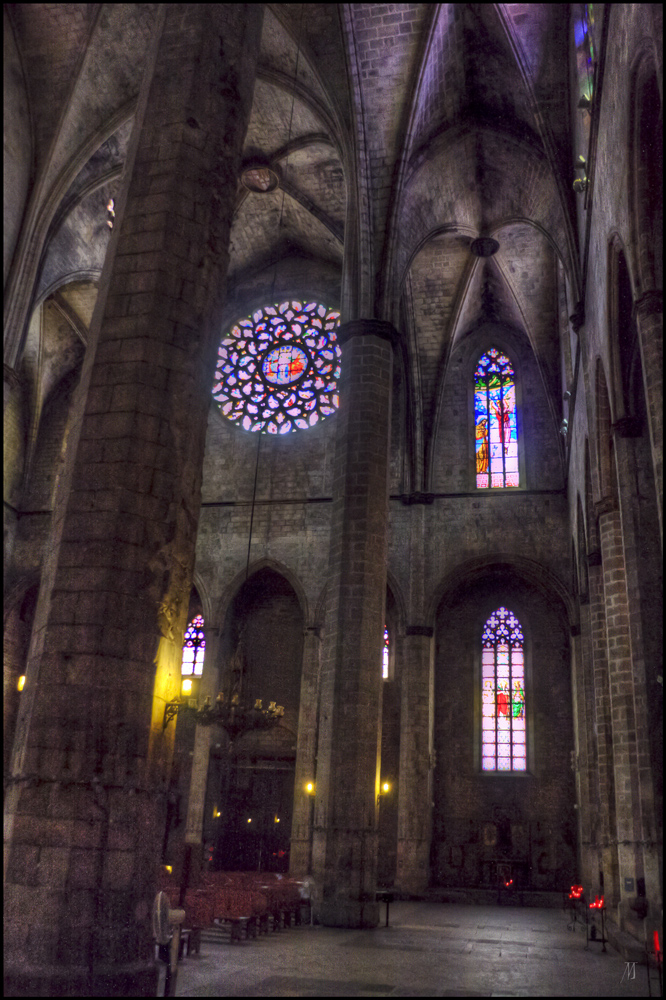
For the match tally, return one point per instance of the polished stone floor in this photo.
(429, 950)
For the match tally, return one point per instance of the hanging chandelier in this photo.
(230, 710)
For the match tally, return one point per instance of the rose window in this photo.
(277, 370)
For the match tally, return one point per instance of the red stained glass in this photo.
(277, 370)
(503, 694)
(495, 422)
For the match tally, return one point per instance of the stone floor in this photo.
(429, 950)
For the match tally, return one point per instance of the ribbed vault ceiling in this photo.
(400, 133)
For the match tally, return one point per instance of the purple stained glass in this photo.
(278, 369)
(503, 694)
(385, 656)
(194, 647)
(496, 433)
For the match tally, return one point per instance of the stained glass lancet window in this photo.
(503, 695)
(586, 52)
(385, 656)
(278, 369)
(194, 646)
(495, 421)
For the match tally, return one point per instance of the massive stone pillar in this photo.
(415, 796)
(300, 857)
(203, 737)
(629, 808)
(643, 596)
(345, 834)
(587, 790)
(604, 829)
(649, 316)
(85, 805)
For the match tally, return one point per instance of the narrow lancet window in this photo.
(503, 694)
(385, 656)
(194, 647)
(495, 422)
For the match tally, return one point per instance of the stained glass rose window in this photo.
(278, 369)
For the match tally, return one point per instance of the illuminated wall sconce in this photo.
(250, 820)
(386, 788)
(216, 813)
(277, 819)
(21, 682)
(310, 788)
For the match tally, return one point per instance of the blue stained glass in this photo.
(270, 352)
(495, 421)
(194, 646)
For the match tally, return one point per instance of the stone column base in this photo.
(348, 913)
(136, 980)
(413, 875)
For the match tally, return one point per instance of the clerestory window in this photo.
(495, 422)
(278, 369)
(385, 656)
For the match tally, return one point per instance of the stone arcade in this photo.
(462, 474)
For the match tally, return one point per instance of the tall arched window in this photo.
(495, 421)
(503, 731)
(194, 647)
(385, 656)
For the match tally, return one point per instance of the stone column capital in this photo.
(426, 630)
(368, 328)
(11, 376)
(577, 318)
(607, 505)
(649, 303)
(627, 427)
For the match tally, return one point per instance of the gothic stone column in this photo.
(649, 315)
(85, 805)
(605, 833)
(345, 835)
(587, 766)
(628, 805)
(300, 857)
(196, 801)
(415, 797)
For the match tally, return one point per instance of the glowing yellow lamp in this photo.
(186, 686)
(386, 787)
(21, 682)
(309, 788)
